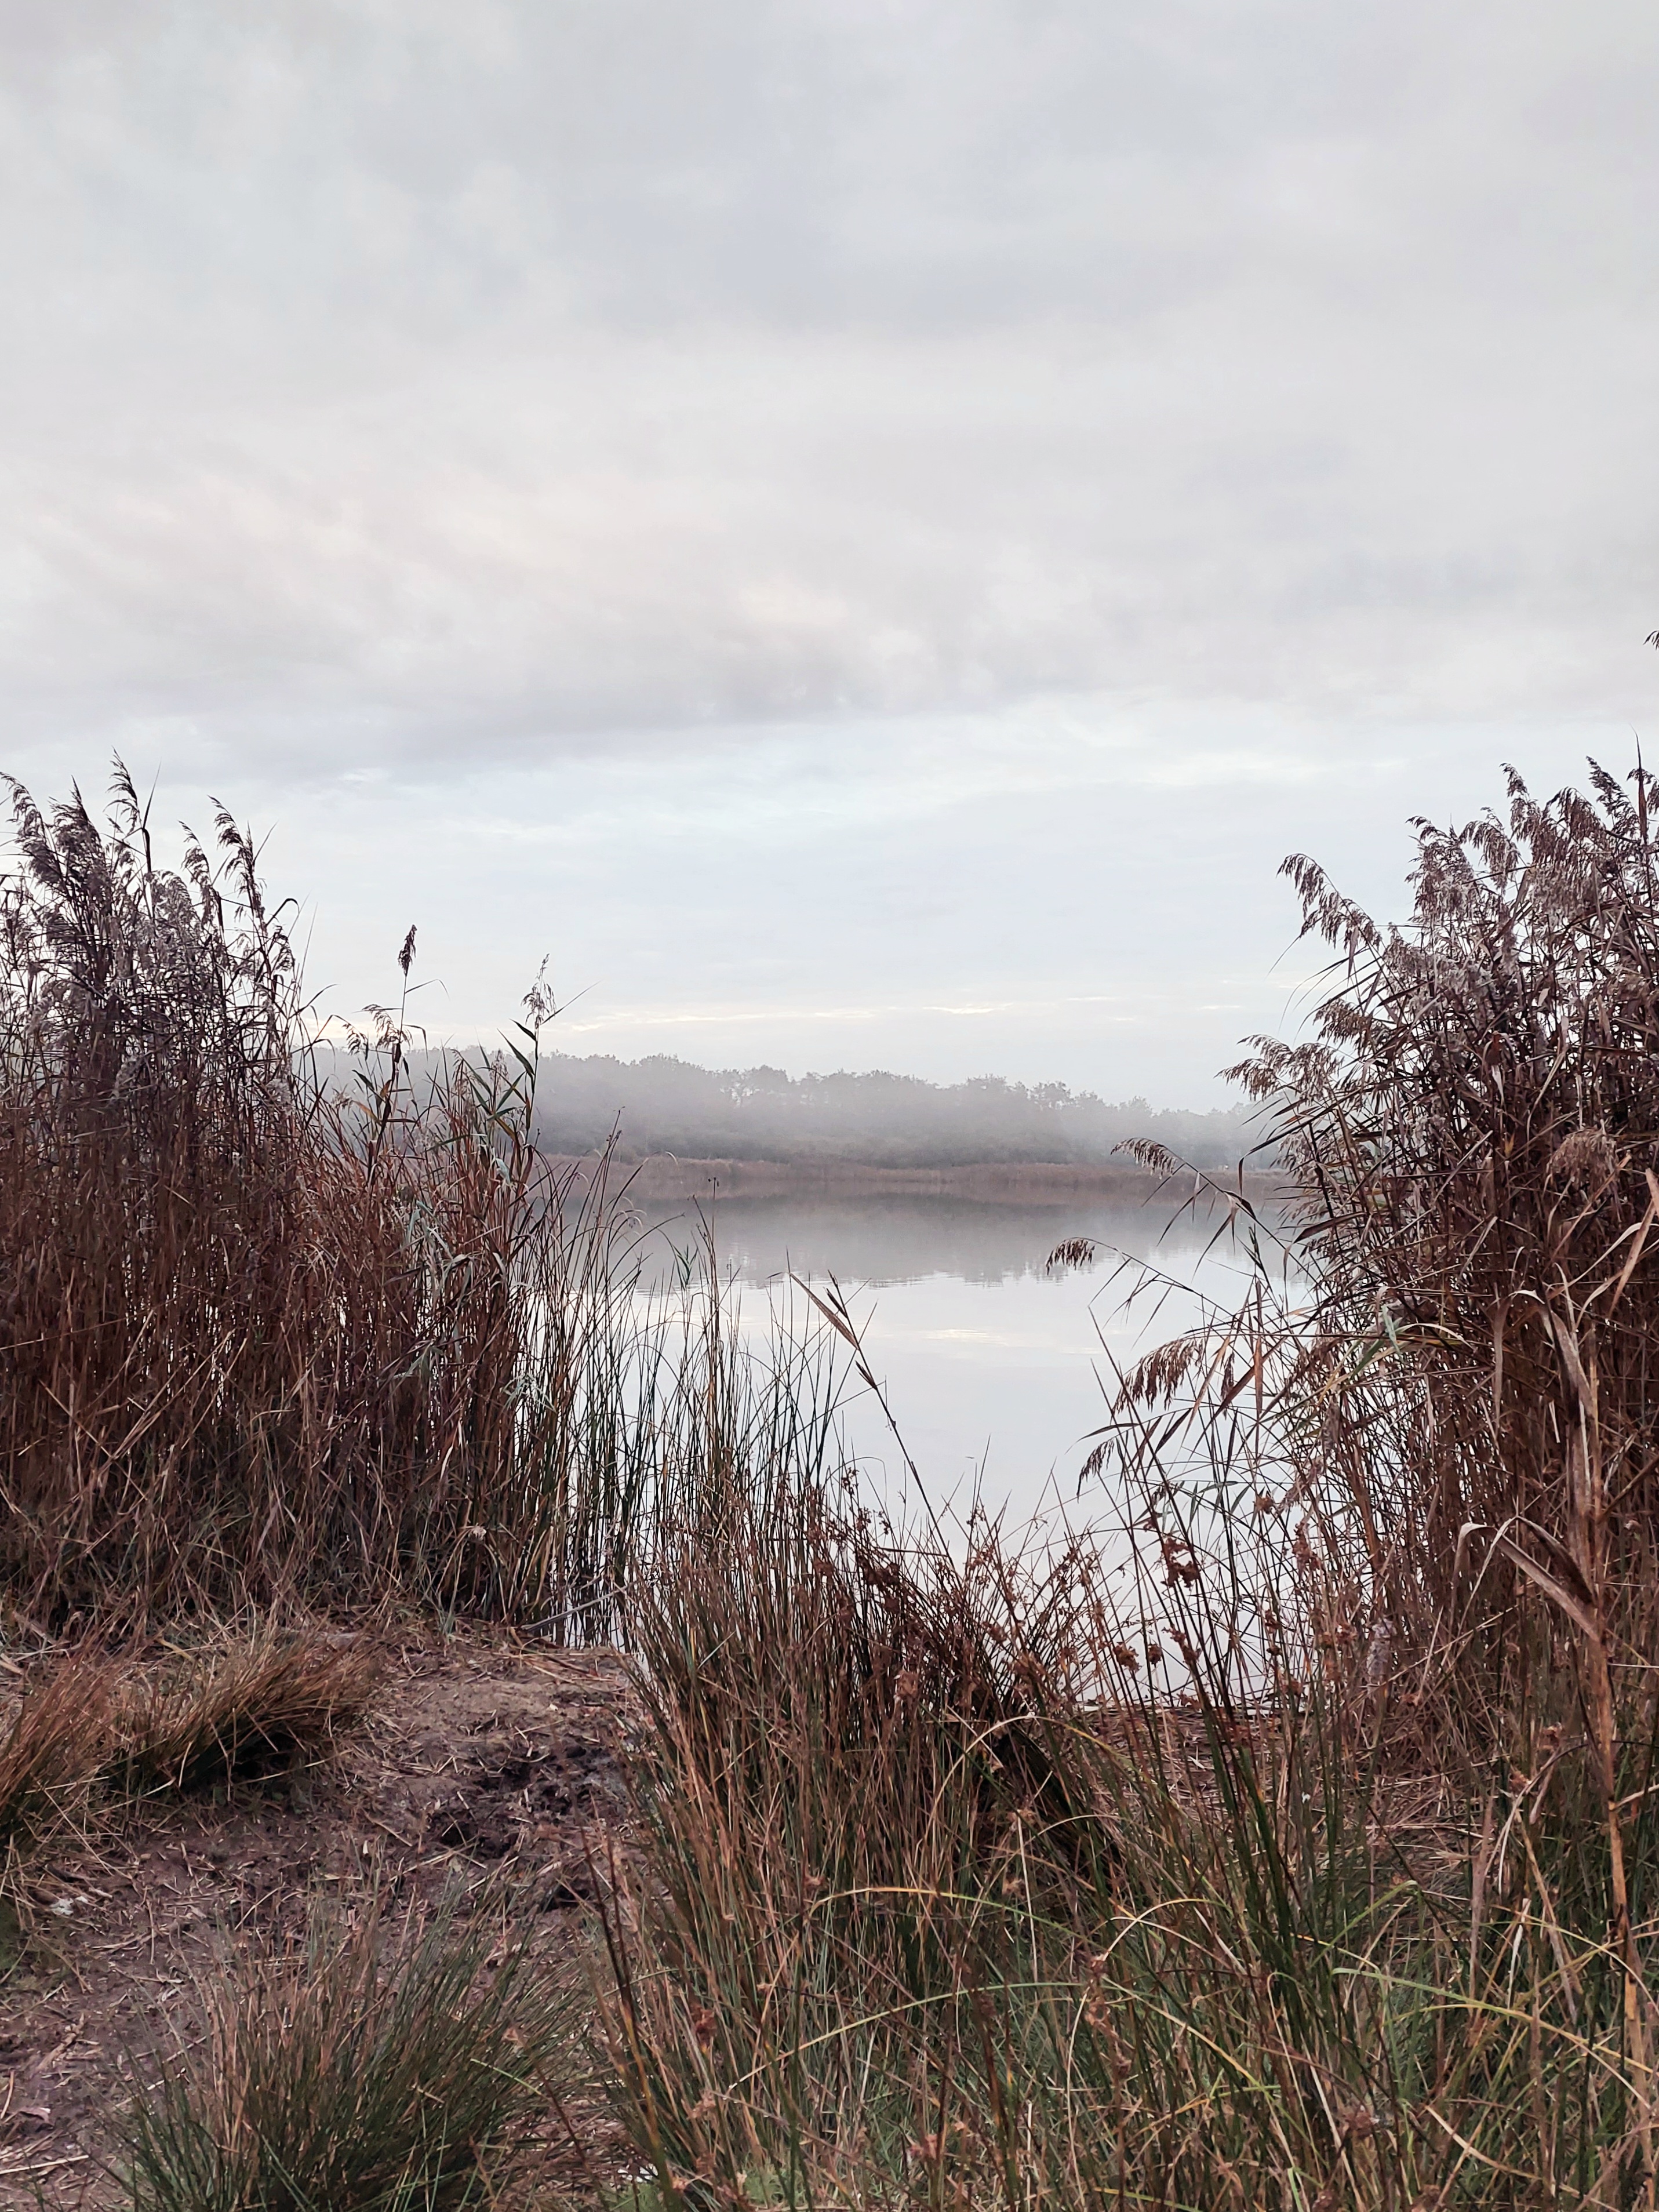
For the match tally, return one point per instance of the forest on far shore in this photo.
(662, 1105)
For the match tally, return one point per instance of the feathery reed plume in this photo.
(1473, 1128)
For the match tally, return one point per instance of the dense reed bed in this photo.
(270, 1338)
(938, 1910)
(1290, 1844)
(1312, 1865)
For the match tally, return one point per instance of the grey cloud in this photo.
(420, 383)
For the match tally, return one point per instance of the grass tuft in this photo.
(383, 2065)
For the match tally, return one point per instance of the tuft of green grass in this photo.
(382, 2064)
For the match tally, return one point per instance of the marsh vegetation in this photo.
(1318, 1870)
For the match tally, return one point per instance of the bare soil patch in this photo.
(478, 1755)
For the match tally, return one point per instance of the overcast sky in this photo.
(866, 530)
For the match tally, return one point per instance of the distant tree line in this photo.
(662, 1105)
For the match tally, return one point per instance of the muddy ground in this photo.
(475, 1756)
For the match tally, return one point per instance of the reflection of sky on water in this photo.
(994, 1368)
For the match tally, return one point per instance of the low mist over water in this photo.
(995, 1367)
(877, 1119)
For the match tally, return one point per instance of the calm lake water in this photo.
(996, 1368)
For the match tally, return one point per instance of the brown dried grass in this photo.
(239, 1710)
(54, 1756)
(264, 1337)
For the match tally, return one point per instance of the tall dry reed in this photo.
(1473, 1129)
(265, 1334)
(1346, 1896)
